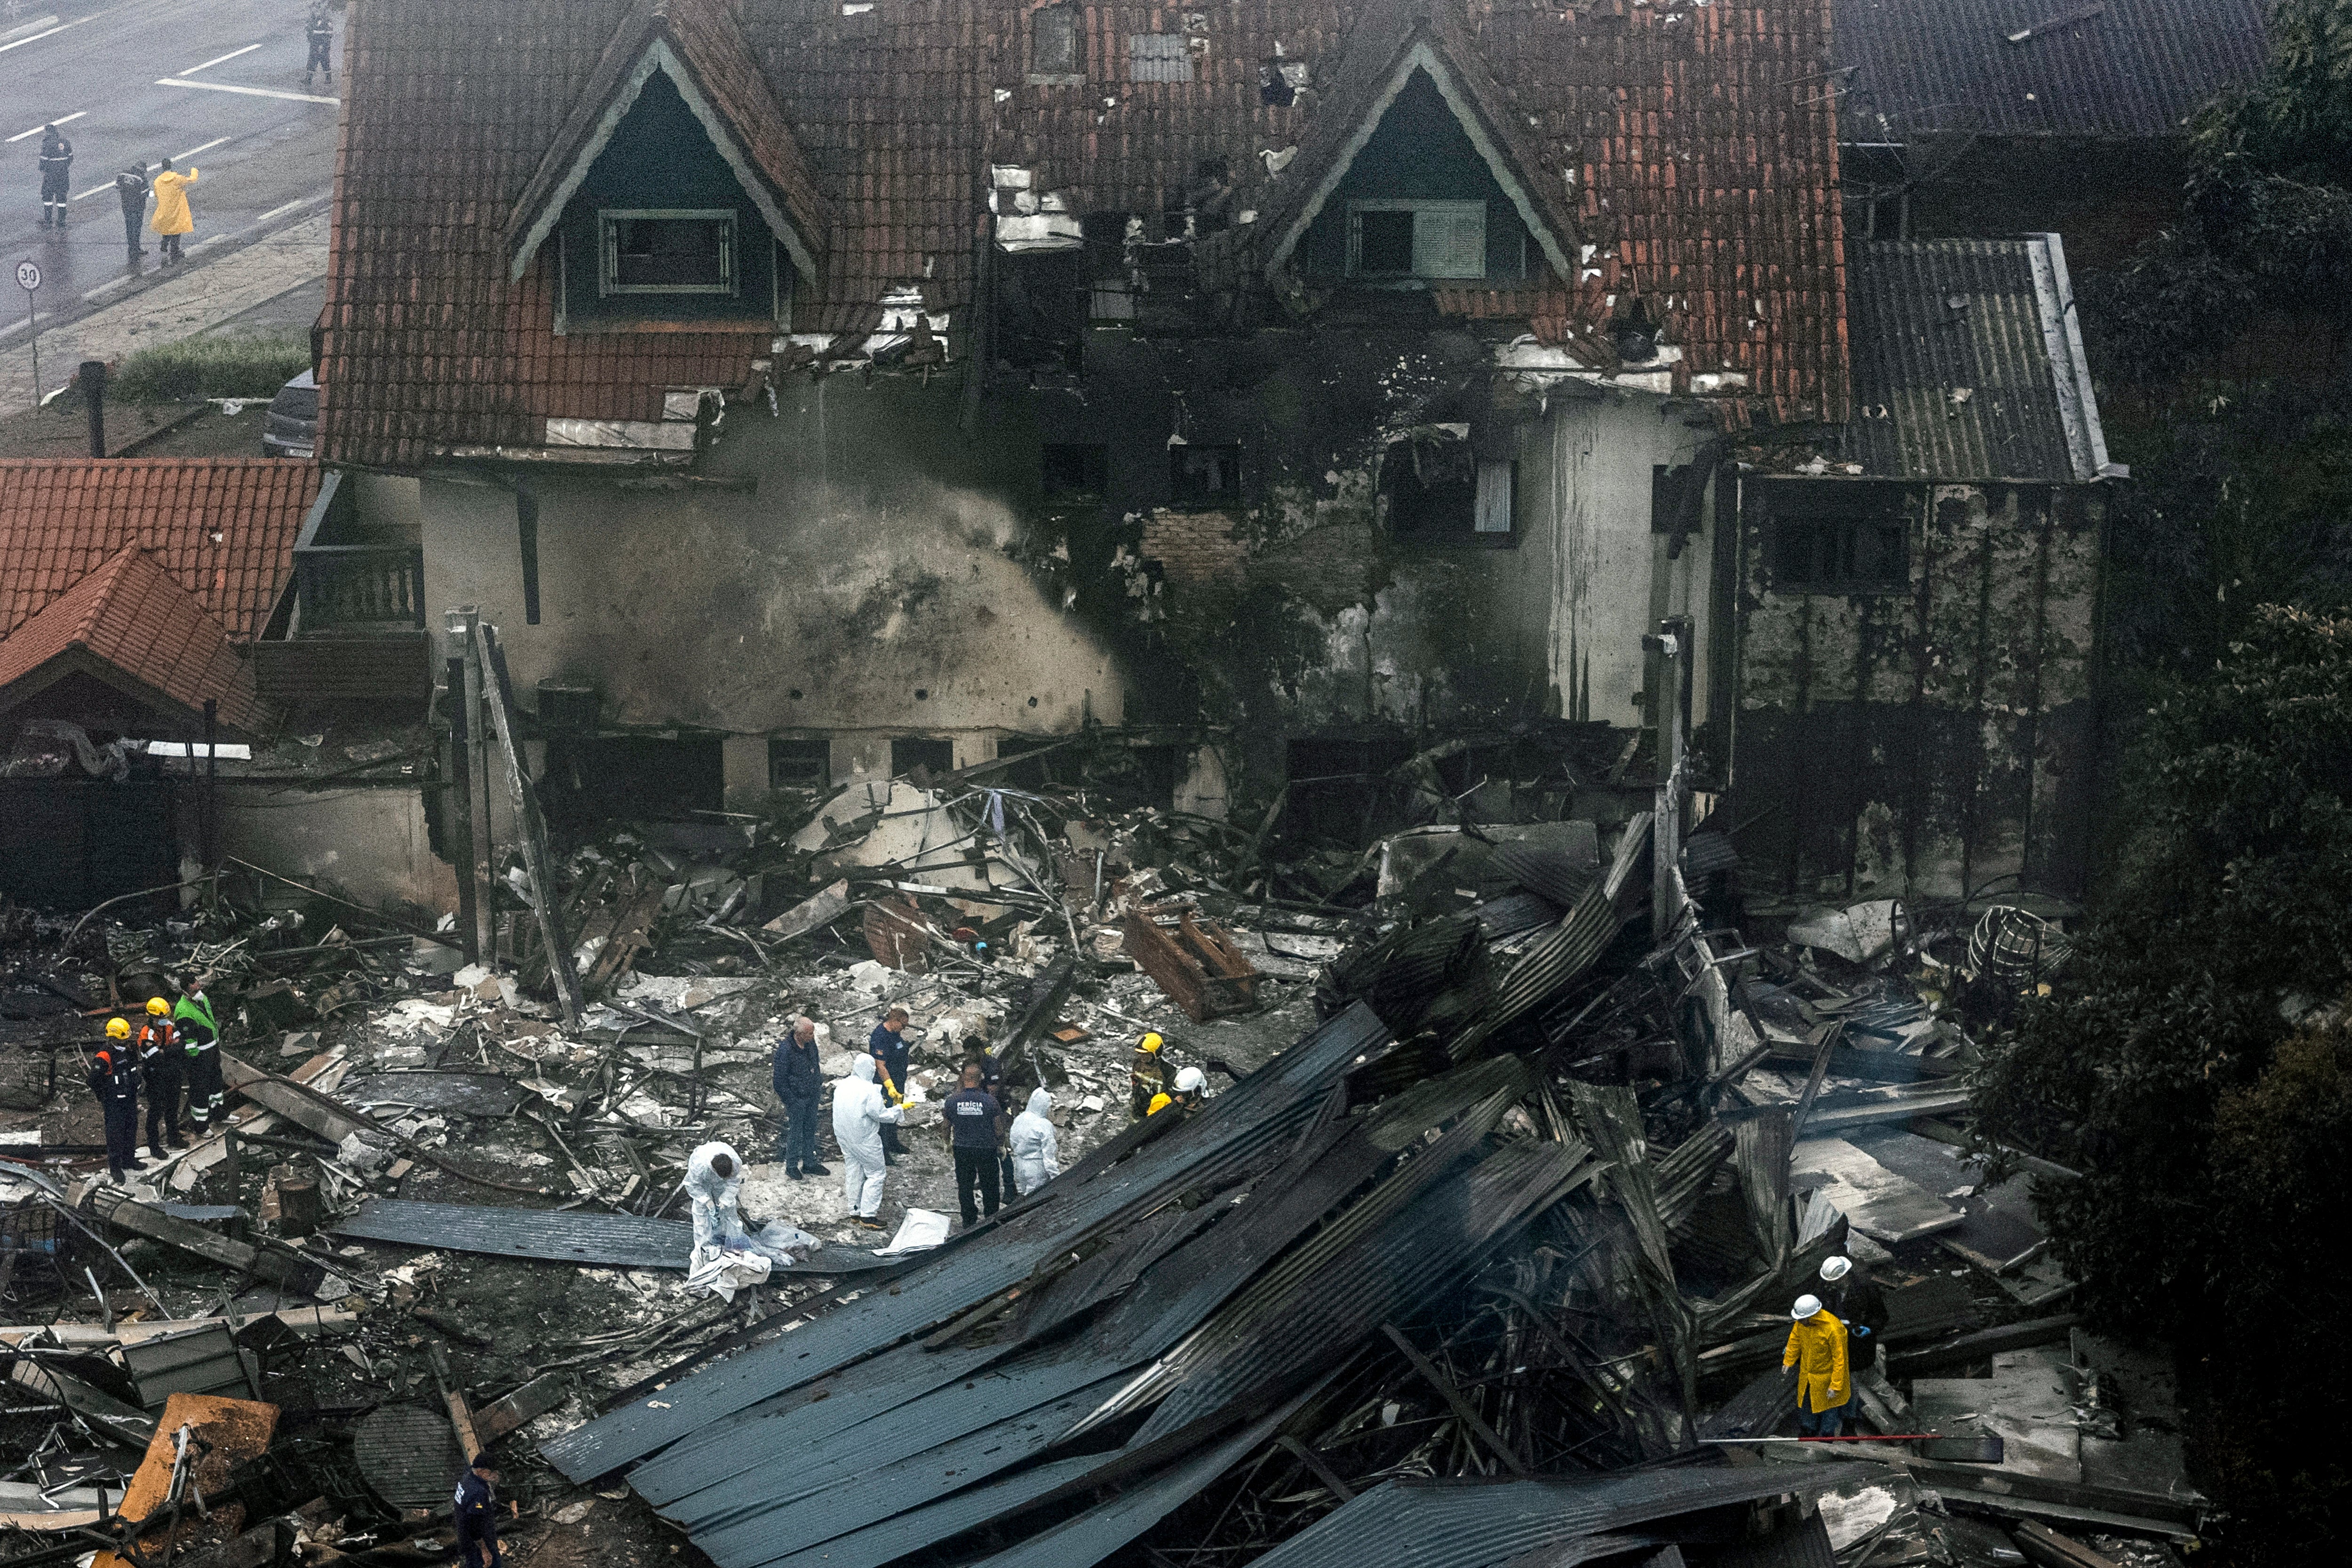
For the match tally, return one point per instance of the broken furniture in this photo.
(1192, 959)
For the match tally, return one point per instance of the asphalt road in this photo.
(216, 84)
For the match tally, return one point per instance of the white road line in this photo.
(36, 38)
(60, 120)
(289, 206)
(220, 59)
(216, 142)
(109, 287)
(248, 91)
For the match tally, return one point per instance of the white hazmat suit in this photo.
(1036, 1153)
(718, 1214)
(858, 1113)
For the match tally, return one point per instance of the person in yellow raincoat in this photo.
(171, 218)
(1816, 1356)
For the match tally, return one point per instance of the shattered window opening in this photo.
(910, 751)
(666, 250)
(1053, 41)
(1204, 476)
(800, 762)
(1433, 489)
(1835, 536)
(1399, 239)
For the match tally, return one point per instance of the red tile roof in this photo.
(1694, 144)
(148, 635)
(222, 527)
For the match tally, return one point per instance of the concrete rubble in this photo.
(1538, 1175)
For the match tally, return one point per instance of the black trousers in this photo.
(478, 1545)
(121, 1132)
(976, 1170)
(162, 1103)
(318, 60)
(131, 227)
(205, 1090)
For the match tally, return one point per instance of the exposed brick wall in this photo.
(1194, 547)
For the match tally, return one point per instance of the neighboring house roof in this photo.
(2082, 68)
(702, 48)
(1692, 148)
(131, 625)
(1968, 362)
(222, 527)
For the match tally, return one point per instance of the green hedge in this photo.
(201, 367)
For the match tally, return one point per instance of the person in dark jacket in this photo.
(320, 32)
(56, 177)
(800, 1085)
(975, 1124)
(131, 186)
(1855, 1297)
(114, 1079)
(476, 1507)
(889, 1044)
(160, 1054)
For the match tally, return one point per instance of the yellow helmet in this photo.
(1151, 1042)
(1159, 1102)
(157, 1006)
(117, 1028)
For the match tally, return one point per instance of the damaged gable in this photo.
(697, 45)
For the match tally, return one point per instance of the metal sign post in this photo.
(28, 279)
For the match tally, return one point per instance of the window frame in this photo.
(1181, 499)
(608, 222)
(1358, 207)
(1039, 73)
(1851, 507)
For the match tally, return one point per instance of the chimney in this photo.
(93, 386)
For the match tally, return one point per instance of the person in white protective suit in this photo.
(1036, 1153)
(859, 1115)
(714, 1182)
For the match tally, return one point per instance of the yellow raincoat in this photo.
(1816, 1350)
(172, 214)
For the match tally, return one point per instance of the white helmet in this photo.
(1836, 1269)
(1806, 1307)
(1191, 1080)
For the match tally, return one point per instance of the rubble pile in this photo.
(1497, 1180)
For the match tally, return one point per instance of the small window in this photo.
(1434, 490)
(1498, 485)
(1416, 240)
(1204, 476)
(1159, 57)
(909, 753)
(1053, 41)
(1074, 471)
(800, 762)
(667, 251)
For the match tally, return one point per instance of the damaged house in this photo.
(1291, 394)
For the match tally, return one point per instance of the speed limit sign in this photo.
(28, 276)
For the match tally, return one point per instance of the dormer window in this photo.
(1416, 240)
(668, 250)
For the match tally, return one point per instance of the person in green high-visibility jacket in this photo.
(200, 1034)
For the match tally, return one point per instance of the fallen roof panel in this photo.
(1267, 1105)
(1478, 1524)
(558, 1236)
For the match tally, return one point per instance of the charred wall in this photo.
(1930, 734)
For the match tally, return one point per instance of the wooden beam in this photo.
(538, 874)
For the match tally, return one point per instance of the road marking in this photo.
(36, 38)
(289, 206)
(247, 91)
(109, 288)
(60, 120)
(220, 59)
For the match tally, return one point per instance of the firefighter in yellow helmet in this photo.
(114, 1079)
(160, 1064)
(1146, 1076)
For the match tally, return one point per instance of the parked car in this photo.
(292, 428)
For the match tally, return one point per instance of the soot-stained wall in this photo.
(1934, 740)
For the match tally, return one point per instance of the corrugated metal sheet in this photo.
(2137, 68)
(769, 1528)
(1478, 1524)
(1952, 364)
(918, 1527)
(1800, 1543)
(1271, 1337)
(1267, 1106)
(408, 1455)
(565, 1236)
(1090, 1537)
(205, 1361)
